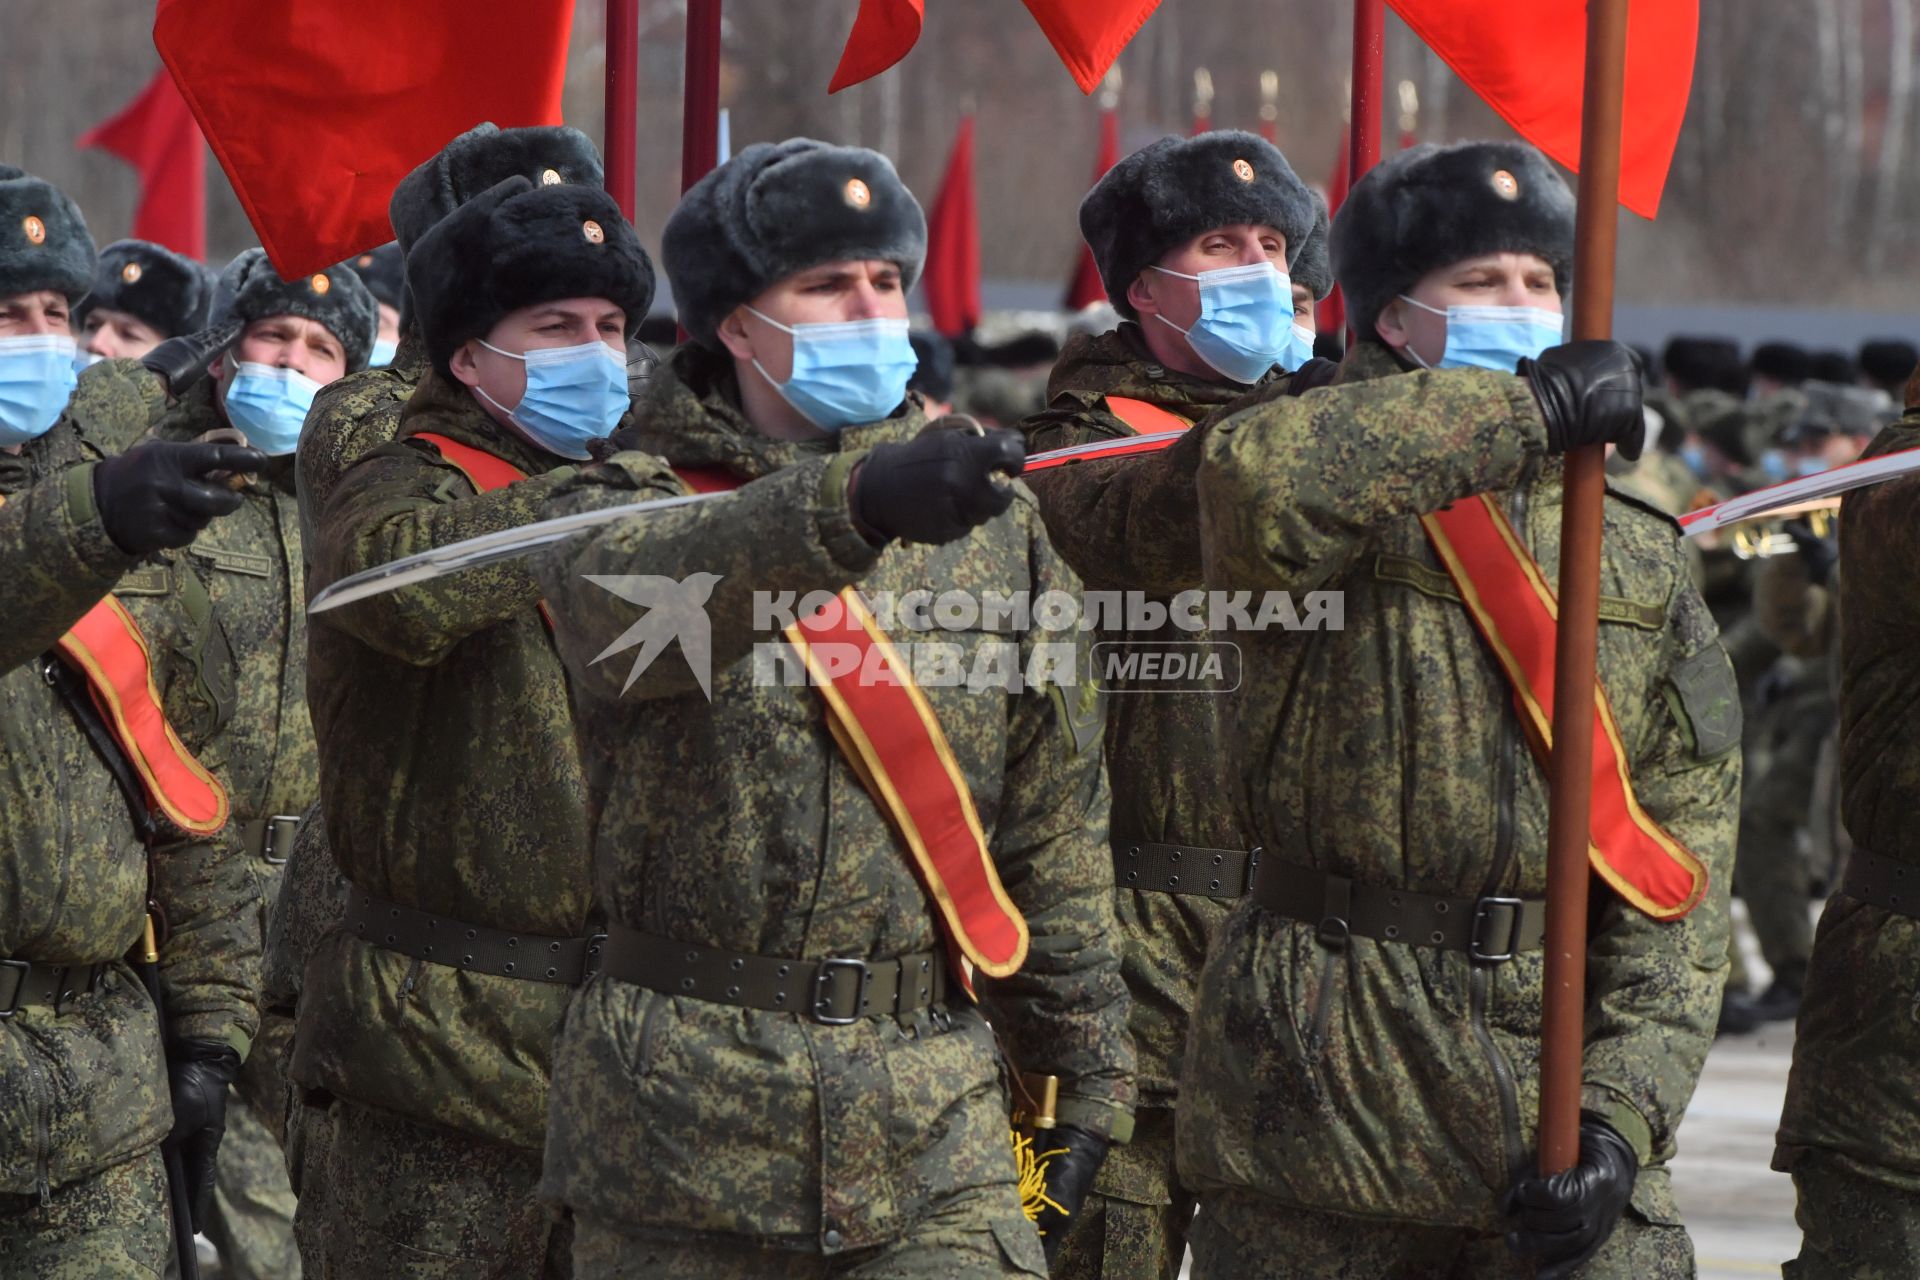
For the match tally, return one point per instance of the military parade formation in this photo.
(637, 899)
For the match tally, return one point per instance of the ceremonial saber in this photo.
(490, 548)
(1576, 651)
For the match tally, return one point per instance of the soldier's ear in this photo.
(1140, 295)
(734, 337)
(463, 364)
(1391, 325)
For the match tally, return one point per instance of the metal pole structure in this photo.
(623, 100)
(700, 117)
(1369, 69)
(1563, 1032)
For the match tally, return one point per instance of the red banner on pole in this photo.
(952, 276)
(156, 134)
(1085, 289)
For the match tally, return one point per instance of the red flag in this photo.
(1527, 58)
(324, 106)
(1087, 34)
(952, 276)
(1085, 288)
(1331, 315)
(155, 133)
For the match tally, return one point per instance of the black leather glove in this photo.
(201, 1070)
(938, 485)
(1563, 1220)
(1589, 393)
(1069, 1179)
(159, 495)
(183, 361)
(1817, 555)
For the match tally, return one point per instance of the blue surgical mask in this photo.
(1811, 466)
(845, 373)
(1774, 466)
(36, 380)
(1246, 320)
(269, 404)
(1496, 338)
(382, 353)
(574, 395)
(1696, 459)
(1299, 348)
(84, 360)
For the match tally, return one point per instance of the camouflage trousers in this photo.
(382, 1198)
(979, 1235)
(1134, 1225)
(1854, 1225)
(252, 1220)
(1770, 873)
(111, 1226)
(1241, 1237)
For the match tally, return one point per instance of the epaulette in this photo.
(1665, 517)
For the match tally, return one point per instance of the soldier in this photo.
(362, 411)
(1848, 1128)
(291, 338)
(384, 272)
(775, 1074)
(1195, 239)
(426, 1017)
(109, 816)
(142, 295)
(1357, 1093)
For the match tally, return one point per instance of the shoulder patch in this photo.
(1706, 700)
(1080, 711)
(1643, 505)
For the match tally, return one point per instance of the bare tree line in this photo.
(1792, 180)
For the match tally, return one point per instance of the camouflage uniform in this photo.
(1850, 1128)
(1389, 1084)
(350, 417)
(449, 783)
(253, 564)
(745, 1143)
(1129, 525)
(83, 1089)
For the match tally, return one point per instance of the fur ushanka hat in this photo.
(777, 209)
(171, 293)
(1431, 206)
(1172, 190)
(250, 289)
(43, 239)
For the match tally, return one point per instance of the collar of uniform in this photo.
(448, 408)
(1119, 363)
(691, 417)
(1366, 361)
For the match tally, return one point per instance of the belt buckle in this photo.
(25, 968)
(824, 975)
(270, 843)
(1481, 914)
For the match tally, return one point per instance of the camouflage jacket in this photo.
(350, 417)
(87, 1088)
(254, 567)
(449, 782)
(1852, 1089)
(1130, 524)
(735, 822)
(1394, 1080)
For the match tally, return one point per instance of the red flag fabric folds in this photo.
(1085, 288)
(1527, 58)
(315, 109)
(156, 134)
(952, 276)
(1087, 34)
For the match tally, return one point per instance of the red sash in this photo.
(1517, 614)
(1155, 428)
(107, 647)
(889, 735)
(483, 471)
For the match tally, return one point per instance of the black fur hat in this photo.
(1699, 364)
(517, 245)
(776, 209)
(1888, 362)
(152, 283)
(43, 239)
(383, 271)
(1782, 361)
(483, 157)
(1172, 190)
(1431, 206)
(1313, 267)
(250, 289)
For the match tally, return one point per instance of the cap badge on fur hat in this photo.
(550, 178)
(1505, 185)
(1243, 170)
(36, 230)
(131, 273)
(364, 260)
(857, 193)
(320, 284)
(594, 233)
